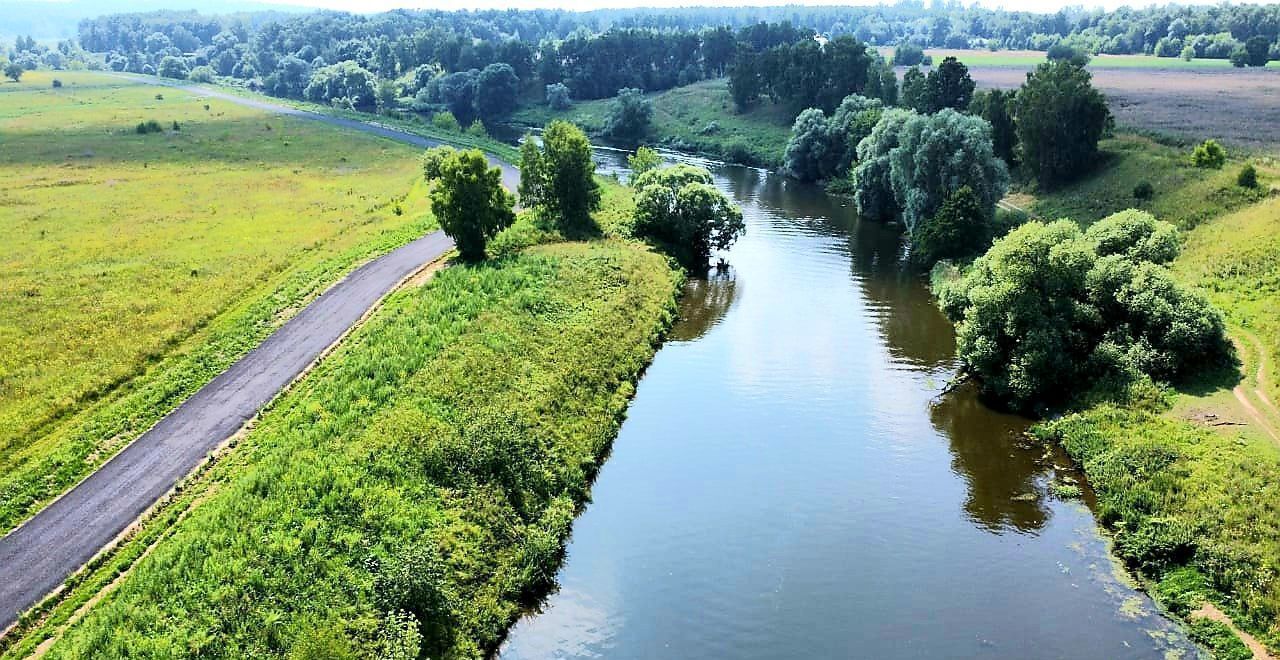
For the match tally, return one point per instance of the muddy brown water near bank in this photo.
(789, 483)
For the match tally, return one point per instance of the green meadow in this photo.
(135, 267)
(696, 118)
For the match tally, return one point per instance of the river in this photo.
(790, 483)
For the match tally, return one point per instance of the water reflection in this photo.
(704, 303)
(1001, 468)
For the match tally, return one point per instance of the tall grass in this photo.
(432, 465)
(134, 268)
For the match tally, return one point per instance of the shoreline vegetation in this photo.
(1185, 477)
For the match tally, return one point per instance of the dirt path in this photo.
(38, 556)
(1246, 395)
(1211, 612)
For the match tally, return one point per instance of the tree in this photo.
(290, 78)
(457, 91)
(468, 199)
(824, 148)
(629, 116)
(558, 178)
(1059, 118)
(345, 82)
(558, 97)
(961, 228)
(496, 89)
(13, 70)
(1257, 49)
(173, 67)
(1239, 58)
(1209, 155)
(678, 207)
(949, 86)
(915, 91)
(910, 164)
(643, 160)
(744, 79)
(995, 106)
(907, 54)
(1043, 316)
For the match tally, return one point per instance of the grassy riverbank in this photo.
(433, 465)
(696, 118)
(137, 266)
(1189, 480)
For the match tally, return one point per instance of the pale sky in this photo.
(383, 5)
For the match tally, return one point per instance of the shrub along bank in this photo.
(416, 490)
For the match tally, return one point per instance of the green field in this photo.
(415, 470)
(697, 118)
(136, 267)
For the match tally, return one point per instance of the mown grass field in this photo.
(1189, 481)
(432, 466)
(697, 118)
(136, 267)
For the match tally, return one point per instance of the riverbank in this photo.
(1186, 478)
(698, 119)
(426, 473)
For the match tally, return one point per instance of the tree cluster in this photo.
(679, 208)
(808, 74)
(1051, 311)
(557, 178)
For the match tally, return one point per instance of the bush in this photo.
(643, 160)
(468, 198)
(1248, 176)
(1210, 155)
(477, 129)
(173, 67)
(148, 126)
(629, 116)
(1050, 312)
(445, 121)
(681, 209)
(1144, 191)
(57, 83)
(1218, 638)
(201, 74)
(1136, 235)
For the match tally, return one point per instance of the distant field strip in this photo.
(136, 267)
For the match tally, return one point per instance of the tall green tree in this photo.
(949, 86)
(995, 106)
(468, 198)
(1060, 118)
(557, 177)
(915, 90)
(496, 90)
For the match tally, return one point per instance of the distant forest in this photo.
(494, 60)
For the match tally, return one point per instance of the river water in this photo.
(790, 483)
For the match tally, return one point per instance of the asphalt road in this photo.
(37, 557)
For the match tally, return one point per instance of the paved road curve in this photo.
(38, 556)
